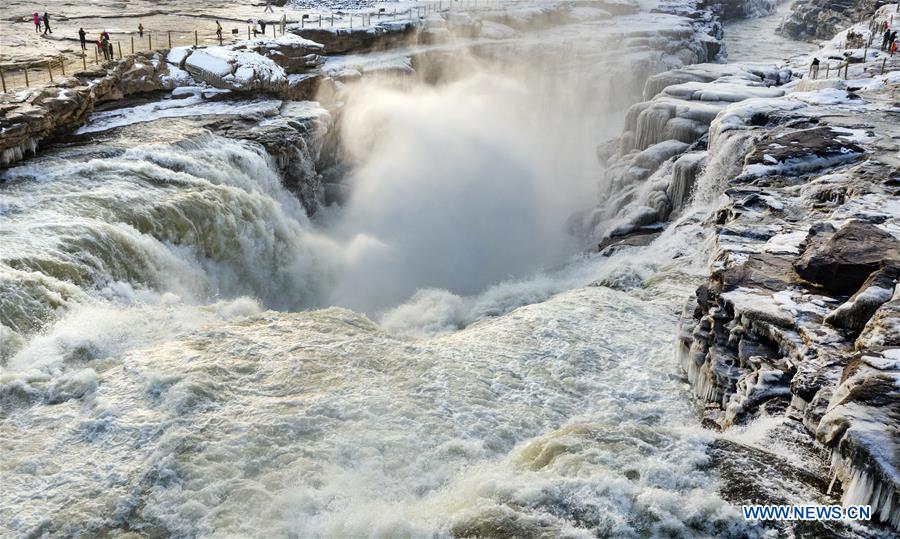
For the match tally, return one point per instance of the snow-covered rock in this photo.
(646, 177)
(800, 306)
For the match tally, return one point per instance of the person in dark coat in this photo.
(47, 23)
(81, 38)
(885, 39)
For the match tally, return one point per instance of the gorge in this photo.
(550, 269)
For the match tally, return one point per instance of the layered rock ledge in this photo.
(799, 312)
(798, 319)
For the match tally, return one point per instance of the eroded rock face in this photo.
(45, 111)
(653, 166)
(821, 19)
(842, 260)
(859, 309)
(741, 9)
(343, 40)
(862, 424)
(295, 140)
(801, 305)
(883, 329)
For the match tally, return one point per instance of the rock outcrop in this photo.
(380, 36)
(842, 260)
(799, 318)
(295, 139)
(742, 9)
(652, 167)
(799, 307)
(821, 19)
(40, 113)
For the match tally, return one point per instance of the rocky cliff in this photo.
(821, 19)
(799, 314)
(798, 321)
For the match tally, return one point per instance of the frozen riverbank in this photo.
(795, 333)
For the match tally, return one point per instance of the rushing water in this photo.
(162, 398)
(759, 40)
(179, 356)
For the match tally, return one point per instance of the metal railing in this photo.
(814, 73)
(26, 75)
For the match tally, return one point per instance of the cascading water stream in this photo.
(136, 344)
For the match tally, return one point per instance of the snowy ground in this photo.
(20, 43)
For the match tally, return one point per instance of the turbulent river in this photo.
(186, 353)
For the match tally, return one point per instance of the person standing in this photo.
(219, 31)
(37, 22)
(47, 24)
(81, 38)
(283, 22)
(106, 45)
(140, 30)
(262, 27)
(884, 40)
(814, 68)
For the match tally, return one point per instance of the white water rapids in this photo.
(179, 356)
(161, 397)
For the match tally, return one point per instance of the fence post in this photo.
(149, 41)
(220, 40)
(26, 76)
(62, 64)
(50, 70)
(132, 44)
(274, 29)
(332, 18)
(882, 65)
(3, 80)
(827, 69)
(196, 38)
(170, 38)
(320, 20)
(248, 32)
(84, 59)
(96, 56)
(119, 46)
